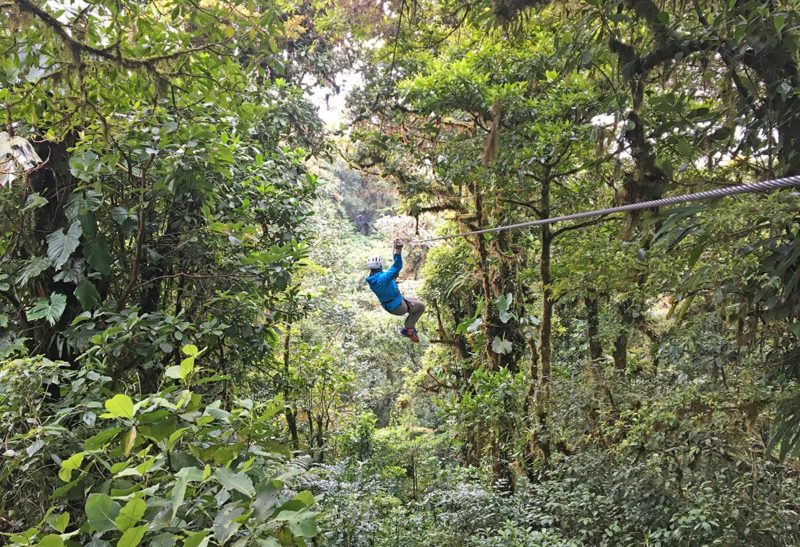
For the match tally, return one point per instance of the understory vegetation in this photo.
(189, 353)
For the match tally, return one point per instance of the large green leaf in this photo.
(87, 294)
(178, 494)
(101, 439)
(95, 246)
(120, 406)
(235, 481)
(31, 269)
(95, 249)
(306, 497)
(131, 513)
(182, 371)
(51, 540)
(61, 245)
(50, 309)
(132, 536)
(101, 512)
(197, 539)
(34, 201)
(59, 521)
(226, 522)
(302, 523)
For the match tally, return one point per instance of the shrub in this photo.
(85, 465)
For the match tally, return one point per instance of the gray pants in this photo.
(411, 306)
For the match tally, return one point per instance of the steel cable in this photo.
(772, 184)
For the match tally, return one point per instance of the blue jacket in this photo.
(385, 287)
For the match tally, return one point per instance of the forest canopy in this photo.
(189, 353)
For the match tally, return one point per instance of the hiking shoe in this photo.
(411, 334)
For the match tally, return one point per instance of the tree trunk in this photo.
(621, 342)
(531, 449)
(546, 326)
(592, 326)
(494, 284)
(55, 183)
(290, 410)
(320, 440)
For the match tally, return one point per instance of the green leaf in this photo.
(684, 148)
(178, 494)
(34, 447)
(475, 326)
(191, 474)
(87, 294)
(190, 350)
(98, 441)
(226, 522)
(50, 540)
(34, 201)
(131, 513)
(187, 366)
(266, 500)
(61, 245)
(73, 463)
(182, 371)
(197, 539)
(235, 481)
(504, 302)
(132, 537)
(50, 309)
(779, 20)
(95, 250)
(302, 523)
(59, 521)
(83, 164)
(61, 490)
(120, 215)
(306, 497)
(120, 406)
(31, 269)
(101, 511)
(305, 528)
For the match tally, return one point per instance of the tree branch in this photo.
(102, 53)
(555, 233)
(527, 204)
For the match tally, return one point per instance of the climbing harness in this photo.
(772, 184)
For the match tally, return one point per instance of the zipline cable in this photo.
(772, 184)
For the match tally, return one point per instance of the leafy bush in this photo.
(85, 465)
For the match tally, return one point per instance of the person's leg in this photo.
(415, 309)
(402, 309)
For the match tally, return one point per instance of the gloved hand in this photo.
(398, 246)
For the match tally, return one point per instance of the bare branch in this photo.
(555, 233)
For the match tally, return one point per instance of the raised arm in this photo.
(395, 268)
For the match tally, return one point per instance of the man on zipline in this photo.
(384, 285)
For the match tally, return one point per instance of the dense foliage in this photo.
(189, 353)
